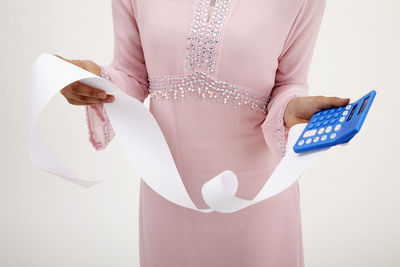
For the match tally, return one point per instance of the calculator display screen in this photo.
(363, 105)
(351, 113)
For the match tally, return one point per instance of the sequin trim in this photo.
(96, 144)
(282, 130)
(201, 59)
(104, 73)
(206, 86)
(201, 52)
(101, 113)
(107, 129)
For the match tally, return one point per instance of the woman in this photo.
(226, 80)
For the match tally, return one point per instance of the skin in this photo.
(298, 110)
(301, 109)
(78, 93)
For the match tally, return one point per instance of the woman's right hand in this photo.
(78, 93)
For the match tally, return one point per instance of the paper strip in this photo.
(143, 143)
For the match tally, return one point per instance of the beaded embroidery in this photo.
(107, 127)
(203, 40)
(104, 74)
(206, 86)
(201, 61)
(282, 130)
(101, 114)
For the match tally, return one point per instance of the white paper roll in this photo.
(143, 143)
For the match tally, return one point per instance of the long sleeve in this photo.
(127, 70)
(291, 78)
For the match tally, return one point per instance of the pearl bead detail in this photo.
(205, 86)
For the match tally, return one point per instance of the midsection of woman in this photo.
(207, 137)
(218, 89)
(240, 42)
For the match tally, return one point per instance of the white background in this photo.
(350, 198)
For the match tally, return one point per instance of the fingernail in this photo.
(110, 98)
(102, 95)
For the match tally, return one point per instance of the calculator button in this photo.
(333, 135)
(314, 120)
(316, 139)
(321, 118)
(331, 111)
(317, 124)
(317, 114)
(310, 133)
(308, 141)
(339, 108)
(345, 113)
(325, 123)
(301, 142)
(328, 117)
(342, 119)
(321, 130)
(324, 112)
(328, 129)
(348, 107)
(323, 138)
(337, 127)
(336, 115)
(310, 125)
(332, 121)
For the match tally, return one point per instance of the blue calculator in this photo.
(334, 126)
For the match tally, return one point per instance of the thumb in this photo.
(331, 102)
(70, 61)
(59, 56)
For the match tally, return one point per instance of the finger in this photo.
(75, 102)
(72, 61)
(79, 103)
(331, 102)
(79, 88)
(61, 57)
(58, 56)
(86, 90)
(86, 99)
(90, 100)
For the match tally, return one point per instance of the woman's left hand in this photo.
(301, 109)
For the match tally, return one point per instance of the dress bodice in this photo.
(218, 88)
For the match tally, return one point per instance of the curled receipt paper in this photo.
(143, 143)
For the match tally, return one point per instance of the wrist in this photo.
(288, 114)
(95, 69)
(92, 67)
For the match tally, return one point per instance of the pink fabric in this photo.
(266, 46)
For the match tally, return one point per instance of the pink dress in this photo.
(218, 88)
